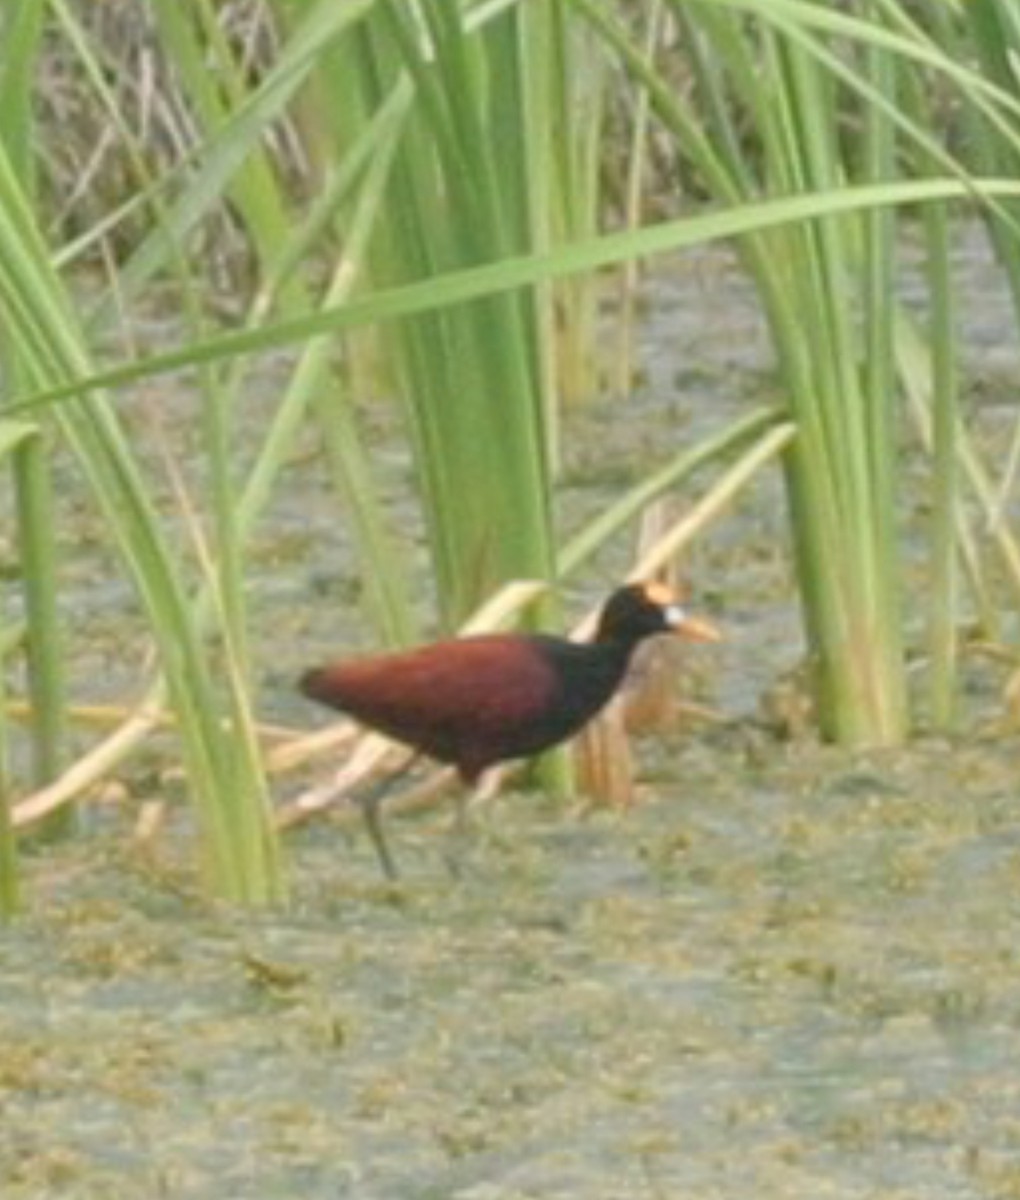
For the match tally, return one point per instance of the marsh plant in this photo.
(425, 205)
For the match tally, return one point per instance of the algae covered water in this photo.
(789, 971)
(793, 977)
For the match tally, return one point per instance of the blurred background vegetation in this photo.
(425, 208)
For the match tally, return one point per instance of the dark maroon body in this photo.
(476, 701)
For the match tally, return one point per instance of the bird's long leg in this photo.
(461, 822)
(459, 839)
(370, 802)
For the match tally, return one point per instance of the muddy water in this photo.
(795, 976)
(789, 972)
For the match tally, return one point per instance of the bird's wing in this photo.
(441, 695)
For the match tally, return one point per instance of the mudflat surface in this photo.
(788, 971)
(784, 975)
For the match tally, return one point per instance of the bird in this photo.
(477, 701)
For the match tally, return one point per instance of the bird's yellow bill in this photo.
(697, 629)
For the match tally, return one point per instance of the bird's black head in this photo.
(640, 610)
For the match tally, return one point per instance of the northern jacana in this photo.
(477, 701)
